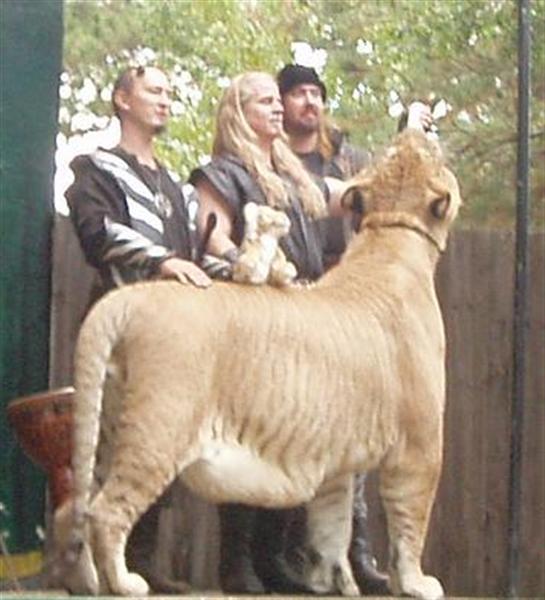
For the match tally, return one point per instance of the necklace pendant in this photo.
(164, 205)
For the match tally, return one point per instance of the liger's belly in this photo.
(230, 472)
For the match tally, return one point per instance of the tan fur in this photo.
(261, 259)
(274, 396)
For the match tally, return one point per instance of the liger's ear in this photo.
(439, 206)
(353, 200)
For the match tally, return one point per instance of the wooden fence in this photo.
(468, 542)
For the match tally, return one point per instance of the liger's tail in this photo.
(98, 336)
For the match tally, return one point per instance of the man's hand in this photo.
(420, 116)
(184, 271)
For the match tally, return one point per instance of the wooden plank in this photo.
(70, 296)
(496, 399)
(450, 543)
(533, 457)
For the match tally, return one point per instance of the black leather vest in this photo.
(236, 185)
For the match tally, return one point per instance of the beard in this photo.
(301, 125)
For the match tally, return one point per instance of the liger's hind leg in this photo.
(408, 482)
(326, 568)
(140, 471)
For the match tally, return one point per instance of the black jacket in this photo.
(302, 245)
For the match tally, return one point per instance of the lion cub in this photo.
(261, 259)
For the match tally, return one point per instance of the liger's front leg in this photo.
(408, 483)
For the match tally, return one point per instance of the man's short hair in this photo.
(293, 75)
(125, 82)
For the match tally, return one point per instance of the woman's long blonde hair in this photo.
(235, 136)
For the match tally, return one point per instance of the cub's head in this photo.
(261, 219)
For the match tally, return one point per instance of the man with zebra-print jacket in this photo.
(129, 212)
(134, 222)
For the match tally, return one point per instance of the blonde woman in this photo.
(251, 161)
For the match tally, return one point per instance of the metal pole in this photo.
(520, 296)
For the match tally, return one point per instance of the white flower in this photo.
(82, 121)
(195, 96)
(176, 108)
(359, 91)
(88, 92)
(483, 114)
(106, 93)
(393, 96)
(441, 109)
(302, 53)
(307, 56)
(327, 30)
(60, 140)
(223, 82)
(181, 79)
(320, 59)
(102, 122)
(396, 110)
(64, 115)
(144, 56)
(464, 117)
(364, 47)
(65, 91)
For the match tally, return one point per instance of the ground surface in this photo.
(53, 595)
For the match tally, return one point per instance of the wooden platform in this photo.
(60, 595)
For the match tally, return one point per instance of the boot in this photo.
(370, 580)
(142, 546)
(269, 549)
(236, 571)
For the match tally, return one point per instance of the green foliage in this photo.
(379, 53)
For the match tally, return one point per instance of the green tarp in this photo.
(30, 61)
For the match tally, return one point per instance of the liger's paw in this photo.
(82, 577)
(132, 585)
(346, 585)
(425, 587)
